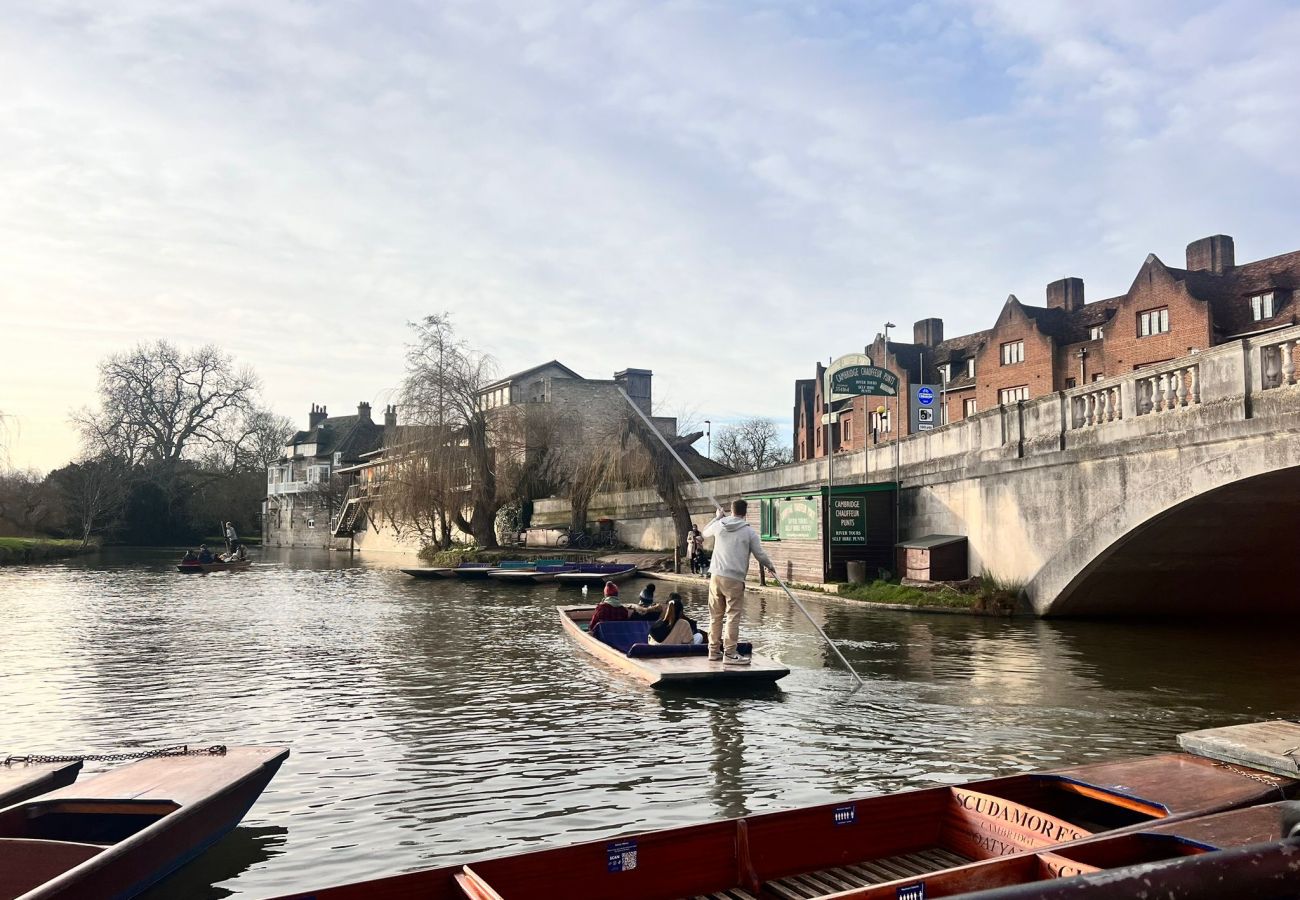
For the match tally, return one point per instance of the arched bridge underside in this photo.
(1231, 550)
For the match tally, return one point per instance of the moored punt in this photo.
(820, 850)
(530, 575)
(431, 572)
(20, 780)
(115, 834)
(196, 568)
(471, 570)
(625, 645)
(596, 574)
(482, 570)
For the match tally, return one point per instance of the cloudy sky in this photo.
(723, 192)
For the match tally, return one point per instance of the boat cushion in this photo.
(622, 635)
(649, 651)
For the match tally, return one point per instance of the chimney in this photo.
(636, 383)
(928, 332)
(363, 411)
(317, 416)
(1066, 294)
(390, 416)
(1212, 254)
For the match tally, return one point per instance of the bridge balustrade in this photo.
(1277, 364)
(1168, 389)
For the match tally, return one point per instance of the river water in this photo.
(432, 722)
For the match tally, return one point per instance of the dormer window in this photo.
(1261, 306)
(945, 372)
(970, 367)
(1095, 333)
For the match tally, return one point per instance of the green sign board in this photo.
(797, 520)
(848, 519)
(864, 380)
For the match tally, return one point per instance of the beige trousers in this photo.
(726, 602)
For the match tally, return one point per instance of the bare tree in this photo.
(443, 390)
(26, 503)
(159, 404)
(751, 445)
(93, 493)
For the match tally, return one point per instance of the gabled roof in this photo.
(349, 435)
(520, 376)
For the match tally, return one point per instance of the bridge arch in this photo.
(1219, 540)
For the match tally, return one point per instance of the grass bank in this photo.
(457, 555)
(17, 551)
(981, 595)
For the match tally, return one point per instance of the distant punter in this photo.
(734, 541)
(231, 538)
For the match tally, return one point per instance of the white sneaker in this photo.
(715, 656)
(735, 659)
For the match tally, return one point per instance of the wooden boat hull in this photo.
(905, 837)
(668, 671)
(524, 576)
(20, 781)
(471, 571)
(203, 568)
(431, 572)
(156, 814)
(595, 579)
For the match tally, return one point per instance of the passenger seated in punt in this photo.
(647, 607)
(609, 609)
(205, 555)
(190, 557)
(673, 626)
(236, 555)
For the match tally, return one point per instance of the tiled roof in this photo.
(519, 376)
(349, 435)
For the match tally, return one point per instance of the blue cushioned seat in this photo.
(622, 635)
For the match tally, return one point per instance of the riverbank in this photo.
(983, 600)
(21, 551)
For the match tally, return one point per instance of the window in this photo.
(1011, 395)
(880, 422)
(1095, 333)
(1261, 306)
(1153, 321)
(318, 474)
(768, 520)
(968, 408)
(970, 367)
(945, 372)
(1013, 352)
(1069, 383)
(846, 429)
(1097, 376)
(311, 523)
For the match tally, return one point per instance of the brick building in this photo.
(1034, 350)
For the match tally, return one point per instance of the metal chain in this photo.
(178, 750)
(1268, 780)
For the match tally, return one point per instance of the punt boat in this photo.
(626, 645)
(482, 570)
(20, 780)
(1159, 844)
(115, 834)
(532, 575)
(901, 838)
(596, 574)
(196, 568)
(431, 572)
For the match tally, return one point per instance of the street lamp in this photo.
(893, 427)
(708, 435)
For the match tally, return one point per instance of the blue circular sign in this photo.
(925, 395)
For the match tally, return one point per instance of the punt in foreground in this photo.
(115, 834)
(196, 568)
(625, 645)
(815, 851)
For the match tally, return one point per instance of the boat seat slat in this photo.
(779, 887)
(899, 868)
(852, 879)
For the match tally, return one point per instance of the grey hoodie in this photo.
(734, 541)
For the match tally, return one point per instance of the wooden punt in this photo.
(596, 574)
(115, 834)
(528, 576)
(20, 780)
(820, 850)
(197, 568)
(431, 572)
(666, 671)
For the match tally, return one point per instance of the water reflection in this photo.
(431, 722)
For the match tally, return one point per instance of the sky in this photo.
(723, 192)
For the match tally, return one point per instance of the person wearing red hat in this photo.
(609, 609)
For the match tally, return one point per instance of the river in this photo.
(432, 722)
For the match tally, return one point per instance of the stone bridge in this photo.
(1172, 489)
